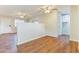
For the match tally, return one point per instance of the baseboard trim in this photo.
(74, 40)
(34, 39)
(51, 35)
(19, 43)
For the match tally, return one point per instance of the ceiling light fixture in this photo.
(21, 14)
(48, 9)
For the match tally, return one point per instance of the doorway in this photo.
(64, 24)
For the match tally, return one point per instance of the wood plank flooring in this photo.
(45, 44)
(8, 43)
(49, 44)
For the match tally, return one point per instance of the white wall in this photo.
(74, 23)
(47, 26)
(29, 31)
(50, 23)
(7, 25)
(78, 23)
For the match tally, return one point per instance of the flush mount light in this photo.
(22, 15)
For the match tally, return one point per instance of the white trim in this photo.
(51, 35)
(30, 40)
(35, 38)
(74, 40)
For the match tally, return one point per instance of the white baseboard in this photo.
(52, 35)
(74, 40)
(30, 39)
(35, 38)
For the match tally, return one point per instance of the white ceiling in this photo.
(12, 10)
(64, 9)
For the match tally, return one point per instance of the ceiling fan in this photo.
(48, 9)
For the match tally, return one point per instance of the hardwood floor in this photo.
(45, 44)
(49, 44)
(8, 43)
